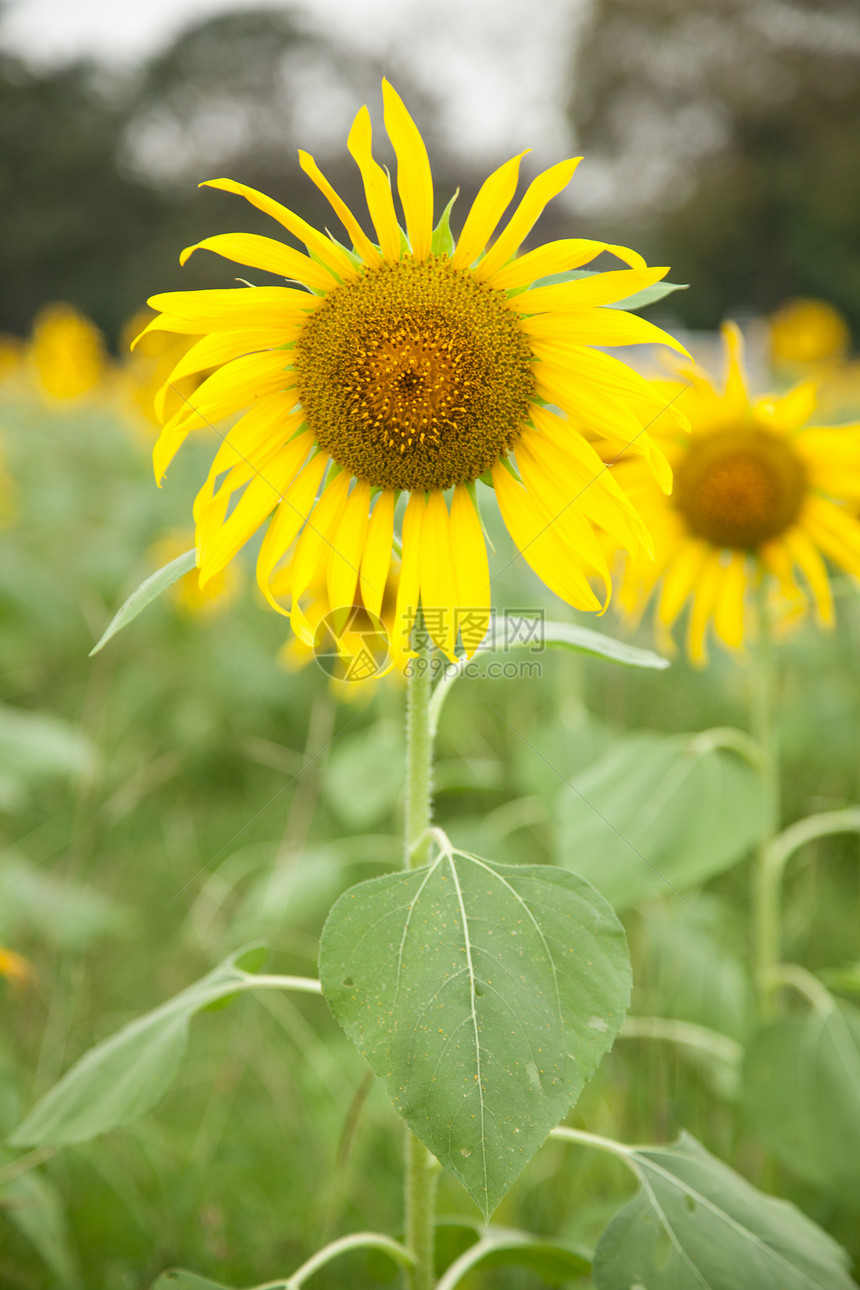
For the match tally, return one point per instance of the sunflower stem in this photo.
(421, 1168)
(766, 913)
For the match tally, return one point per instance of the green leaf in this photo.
(442, 241)
(521, 632)
(149, 590)
(68, 914)
(31, 1202)
(38, 745)
(555, 1261)
(694, 970)
(697, 1225)
(800, 1083)
(352, 781)
(483, 996)
(122, 1078)
(658, 813)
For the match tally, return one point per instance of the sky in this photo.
(501, 60)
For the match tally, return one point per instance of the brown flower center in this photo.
(414, 376)
(740, 488)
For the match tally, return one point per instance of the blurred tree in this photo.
(728, 135)
(71, 221)
(98, 172)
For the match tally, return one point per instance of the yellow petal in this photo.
(266, 254)
(597, 327)
(538, 194)
(222, 346)
(333, 257)
(836, 531)
(438, 577)
(563, 513)
(682, 576)
(288, 519)
(703, 607)
(493, 199)
(268, 428)
(789, 411)
(414, 177)
(314, 545)
(409, 586)
(736, 398)
(473, 570)
(355, 232)
(729, 608)
(805, 555)
(376, 559)
(587, 482)
(377, 186)
(557, 257)
(586, 293)
(232, 308)
(345, 556)
(538, 544)
(257, 502)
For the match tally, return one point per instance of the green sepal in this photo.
(442, 241)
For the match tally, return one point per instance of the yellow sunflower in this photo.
(413, 366)
(758, 493)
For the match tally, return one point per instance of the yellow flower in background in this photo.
(15, 967)
(755, 494)
(67, 352)
(806, 331)
(189, 597)
(414, 365)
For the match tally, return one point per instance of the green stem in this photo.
(356, 1241)
(766, 913)
(421, 1170)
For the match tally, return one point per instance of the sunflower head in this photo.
(758, 494)
(394, 373)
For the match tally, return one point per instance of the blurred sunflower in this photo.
(417, 366)
(803, 332)
(755, 494)
(67, 352)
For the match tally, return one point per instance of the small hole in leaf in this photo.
(348, 982)
(690, 1203)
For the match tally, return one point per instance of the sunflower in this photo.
(411, 367)
(758, 494)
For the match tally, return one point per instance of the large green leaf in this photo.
(120, 1079)
(801, 1079)
(150, 589)
(658, 813)
(697, 1225)
(483, 996)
